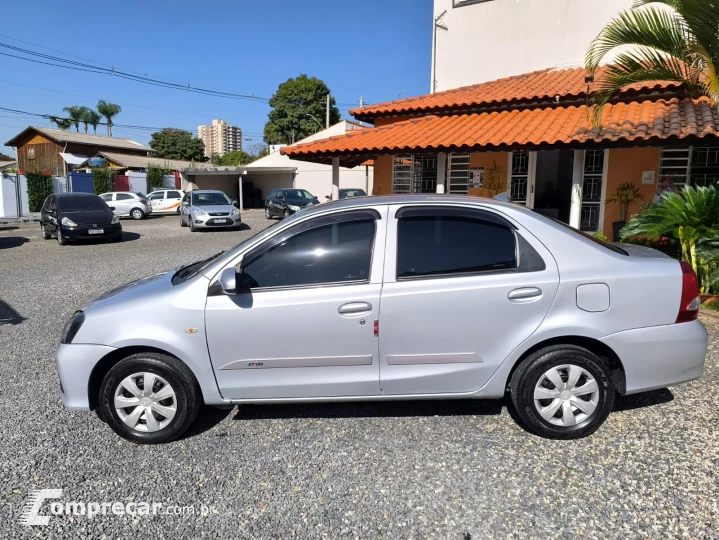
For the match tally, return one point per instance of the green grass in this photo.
(710, 306)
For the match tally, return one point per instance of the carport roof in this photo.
(236, 170)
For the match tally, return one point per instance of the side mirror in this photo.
(228, 281)
(112, 208)
(328, 197)
(234, 202)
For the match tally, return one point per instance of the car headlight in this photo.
(294, 208)
(235, 212)
(197, 212)
(68, 222)
(115, 220)
(72, 326)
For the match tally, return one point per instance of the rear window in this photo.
(81, 203)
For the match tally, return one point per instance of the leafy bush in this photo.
(600, 235)
(155, 177)
(39, 188)
(102, 179)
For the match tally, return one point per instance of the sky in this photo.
(377, 49)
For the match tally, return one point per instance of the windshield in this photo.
(82, 203)
(298, 194)
(352, 193)
(210, 199)
(189, 270)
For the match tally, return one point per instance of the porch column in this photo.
(575, 208)
(240, 200)
(441, 172)
(335, 178)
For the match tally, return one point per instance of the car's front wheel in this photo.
(268, 215)
(149, 398)
(286, 214)
(563, 392)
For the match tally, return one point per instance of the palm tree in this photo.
(75, 116)
(692, 217)
(93, 118)
(108, 110)
(61, 123)
(678, 44)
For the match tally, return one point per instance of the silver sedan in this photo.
(208, 209)
(391, 298)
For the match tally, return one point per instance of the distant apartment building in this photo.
(220, 138)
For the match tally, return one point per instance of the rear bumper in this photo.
(660, 356)
(74, 365)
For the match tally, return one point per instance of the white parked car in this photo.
(128, 204)
(166, 201)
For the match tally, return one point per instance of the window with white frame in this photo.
(592, 179)
(693, 165)
(519, 178)
(458, 173)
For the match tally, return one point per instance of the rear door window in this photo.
(449, 242)
(173, 195)
(123, 197)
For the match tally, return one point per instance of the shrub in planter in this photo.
(39, 188)
(625, 195)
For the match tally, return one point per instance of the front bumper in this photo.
(74, 365)
(215, 222)
(82, 232)
(660, 356)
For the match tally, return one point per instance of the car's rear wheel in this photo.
(563, 392)
(137, 213)
(149, 398)
(46, 235)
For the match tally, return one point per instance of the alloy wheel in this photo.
(145, 402)
(137, 214)
(566, 395)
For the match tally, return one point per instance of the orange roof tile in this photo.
(533, 87)
(633, 121)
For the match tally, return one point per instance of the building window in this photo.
(592, 181)
(462, 3)
(693, 165)
(458, 173)
(414, 173)
(31, 152)
(519, 178)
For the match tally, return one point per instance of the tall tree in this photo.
(173, 143)
(298, 110)
(85, 116)
(109, 111)
(678, 44)
(75, 115)
(62, 123)
(93, 118)
(233, 159)
(6, 157)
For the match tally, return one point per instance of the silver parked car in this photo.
(391, 298)
(127, 203)
(208, 209)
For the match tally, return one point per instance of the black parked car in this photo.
(76, 216)
(285, 202)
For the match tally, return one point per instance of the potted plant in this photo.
(625, 195)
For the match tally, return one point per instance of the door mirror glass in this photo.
(111, 207)
(234, 202)
(228, 281)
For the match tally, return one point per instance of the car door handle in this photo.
(525, 293)
(354, 308)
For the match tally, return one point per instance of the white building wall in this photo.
(315, 177)
(499, 38)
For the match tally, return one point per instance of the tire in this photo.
(182, 403)
(285, 214)
(192, 227)
(137, 213)
(46, 235)
(60, 238)
(268, 215)
(182, 222)
(560, 361)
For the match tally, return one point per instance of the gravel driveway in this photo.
(386, 470)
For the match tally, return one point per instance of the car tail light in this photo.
(143, 201)
(689, 306)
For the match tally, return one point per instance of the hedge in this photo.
(102, 179)
(39, 188)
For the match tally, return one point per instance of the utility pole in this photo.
(437, 24)
(328, 110)
(361, 102)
